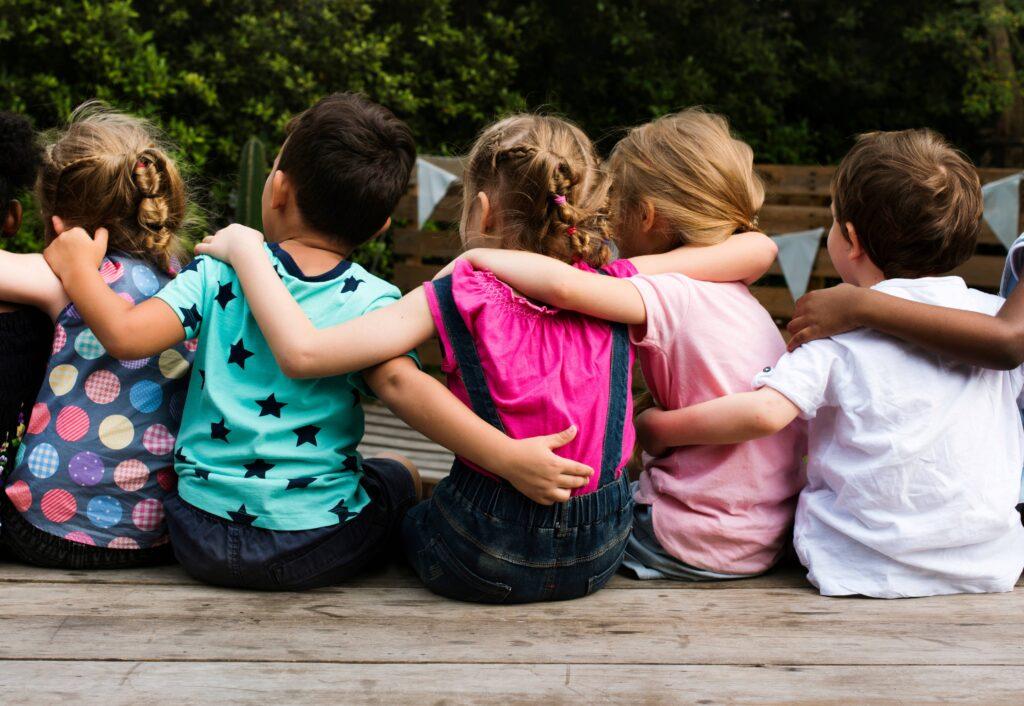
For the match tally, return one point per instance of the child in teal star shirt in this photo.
(272, 493)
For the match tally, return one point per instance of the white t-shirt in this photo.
(914, 460)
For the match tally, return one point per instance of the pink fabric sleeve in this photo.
(667, 301)
(620, 268)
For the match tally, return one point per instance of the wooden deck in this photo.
(156, 636)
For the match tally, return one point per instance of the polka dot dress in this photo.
(96, 462)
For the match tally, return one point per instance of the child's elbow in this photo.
(764, 421)
(1008, 353)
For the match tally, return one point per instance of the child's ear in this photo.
(648, 215)
(856, 249)
(12, 219)
(478, 221)
(280, 188)
(383, 229)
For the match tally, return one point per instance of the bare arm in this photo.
(430, 408)
(743, 257)
(127, 331)
(727, 420)
(27, 279)
(977, 339)
(558, 284)
(301, 349)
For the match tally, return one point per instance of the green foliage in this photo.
(252, 172)
(798, 78)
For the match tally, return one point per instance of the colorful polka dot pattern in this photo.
(97, 461)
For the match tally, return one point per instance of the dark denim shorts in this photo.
(479, 540)
(225, 553)
(22, 541)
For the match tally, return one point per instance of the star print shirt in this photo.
(95, 463)
(255, 446)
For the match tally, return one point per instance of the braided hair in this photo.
(549, 191)
(106, 169)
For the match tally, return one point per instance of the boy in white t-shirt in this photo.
(914, 460)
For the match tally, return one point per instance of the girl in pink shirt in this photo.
(534, 184)
(701, 512)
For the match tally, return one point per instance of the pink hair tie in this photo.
(571, 230)
(559, 200)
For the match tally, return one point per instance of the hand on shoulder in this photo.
(229, 241)
(74, 247)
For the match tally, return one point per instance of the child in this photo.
(88, 488)
(25, 332)
(914, 462)
(272, 494)
(535, 183)
(702, 512)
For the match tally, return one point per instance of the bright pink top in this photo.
(546, 368)
(724, 508)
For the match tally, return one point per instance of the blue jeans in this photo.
(480, 540)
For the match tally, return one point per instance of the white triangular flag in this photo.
(1002, 207)
(797, 253)
(432, 184)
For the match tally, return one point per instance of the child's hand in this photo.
(229, 241)
(646, 424)
(541, 475)
(74, 248)
(825, 312)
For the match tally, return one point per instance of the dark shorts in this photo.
(225, 553)
(479, 540)
(22, 541)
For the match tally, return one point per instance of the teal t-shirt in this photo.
(255, 446)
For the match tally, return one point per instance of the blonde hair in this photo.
(107, 169)
(547, 187)
(697, 176)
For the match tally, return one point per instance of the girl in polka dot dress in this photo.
(97, 460)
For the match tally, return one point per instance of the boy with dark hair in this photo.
(271, 492)
(913, 463)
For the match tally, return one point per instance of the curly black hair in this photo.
(20, 156)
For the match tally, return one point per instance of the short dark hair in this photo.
(914, 200)
(349, 160)
(20, 156)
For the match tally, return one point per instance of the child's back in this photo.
(913, 460)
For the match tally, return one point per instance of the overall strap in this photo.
(618, 391)
(466, 355)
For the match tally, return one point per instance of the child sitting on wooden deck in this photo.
(914, 461)
(272, 493)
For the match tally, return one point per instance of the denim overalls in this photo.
(479, 539)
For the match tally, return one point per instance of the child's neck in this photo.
(313, 252)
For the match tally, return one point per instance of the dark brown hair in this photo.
(547, 187)
(350, 160)
(108, 169)
(914, 200)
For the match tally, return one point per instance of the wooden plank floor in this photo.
(157, 636)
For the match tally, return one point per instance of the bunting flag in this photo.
(1002, 207)
(432, 184)
(797, 253)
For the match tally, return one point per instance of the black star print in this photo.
(341, 510)
(279, 273)
(351, 464)
(190, 317)
(257, 468)
(179, 456)
(306, 434)
(239, 354)
(205, 475)
(202, 383)
(224, 294)
(299, 482)
(241, 516)
(351, 284)
(218, 430)
(190, 267)
(271, 406)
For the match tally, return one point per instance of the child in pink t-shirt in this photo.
(706, 512)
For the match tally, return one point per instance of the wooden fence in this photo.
(797, 199)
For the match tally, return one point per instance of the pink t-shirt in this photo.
(728, 509)
(546, 368)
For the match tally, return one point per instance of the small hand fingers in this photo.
(572, 482)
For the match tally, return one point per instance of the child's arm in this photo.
(977, 339)
(127, 331)
(429, 407)
(301, 349)
(727, 420)
(27, 279)
(743, 257)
